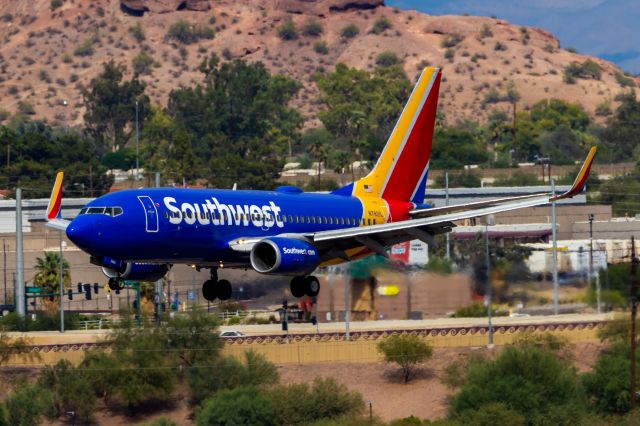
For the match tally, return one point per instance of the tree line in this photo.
(237, 126)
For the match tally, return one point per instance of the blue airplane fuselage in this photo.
(179, 225)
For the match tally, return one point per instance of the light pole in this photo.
(489, 289)
(598, 304)
(61, 289)
(137, 145)
(554, 253)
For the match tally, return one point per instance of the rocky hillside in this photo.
(50, 49)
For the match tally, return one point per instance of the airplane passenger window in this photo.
(166, 215)
(290, 219)
(342, 221)
(313, 219)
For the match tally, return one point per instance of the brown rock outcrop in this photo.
(164, 6)
(323, 7)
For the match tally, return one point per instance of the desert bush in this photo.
(325, 399)
(288, 30)
(321, 47)
(312, 28)
(349, 31)
(381, 25)
(387, 59)
(137, 32)
(183, 32)
(451, 40)
(405, 350)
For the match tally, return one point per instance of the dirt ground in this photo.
(425, 396)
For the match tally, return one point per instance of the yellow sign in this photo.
(388, 290)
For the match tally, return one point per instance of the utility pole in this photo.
(446, 203)
(634, 312)
(61, 289)
(137, 145)
(20, 302)
(554, 253)
(347, 307)
(489, 289)
(598, 303)
(4, 264)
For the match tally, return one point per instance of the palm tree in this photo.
(48, 269)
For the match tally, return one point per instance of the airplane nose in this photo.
(78, 232)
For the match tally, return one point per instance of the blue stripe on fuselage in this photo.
(187, 239)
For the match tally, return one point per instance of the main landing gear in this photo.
(302, 285)
(214, 288)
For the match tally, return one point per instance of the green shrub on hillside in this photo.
(381, 25)
(186, 33)
(349, 31)
(288, 30)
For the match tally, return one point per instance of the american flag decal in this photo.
(368, 188)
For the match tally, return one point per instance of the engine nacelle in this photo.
(285, 256)
(114, 268)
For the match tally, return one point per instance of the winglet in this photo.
(581, 179)
(54, 209)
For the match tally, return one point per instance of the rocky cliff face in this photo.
(164, 6)
(323, 7)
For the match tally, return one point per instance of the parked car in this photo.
(232, 333)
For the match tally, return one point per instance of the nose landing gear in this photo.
(305, 285)
(214, 288)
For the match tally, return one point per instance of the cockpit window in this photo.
(109, 211)
(95, 210)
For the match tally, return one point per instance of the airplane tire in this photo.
(298, 287)
(224, 289)
(115, 284)
(311, 286)
(209, 290)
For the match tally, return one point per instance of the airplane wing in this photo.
(426, 223)
(54, 209)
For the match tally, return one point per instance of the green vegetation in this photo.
(239, 406)
(186, 33)
(534, 383)
(325, 399)
(349, 31)
(137, 32)
(381, 24)
(449, 54)
(48, 272)
(451, 40)
(288, 30)
(86, 47)
(407, 351)
(387, 59)
(239, 134)
(459, 179)
(588, 69)
(143, 63)
(312, 28)
(624, 80)
(321, 47)
(111, 105)
(478, 310)
(359, 107)
(55, 4)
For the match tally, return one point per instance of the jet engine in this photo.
(284, 256)
(134, 271)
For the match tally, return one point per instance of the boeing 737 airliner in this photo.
(139, 234)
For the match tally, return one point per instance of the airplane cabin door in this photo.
(151, 213)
